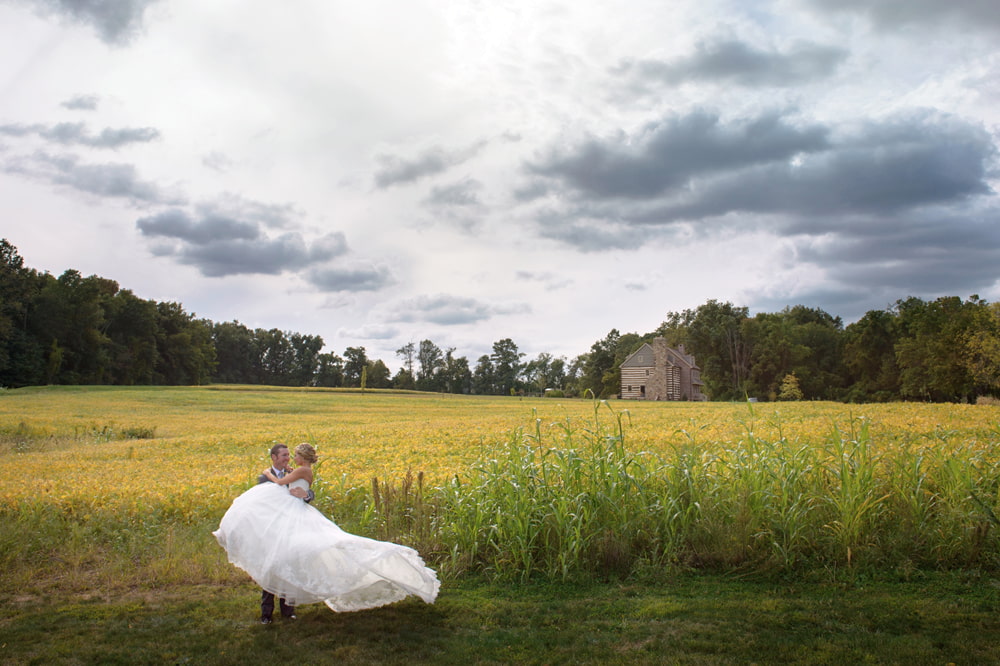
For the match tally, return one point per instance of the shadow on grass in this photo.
(689, 619)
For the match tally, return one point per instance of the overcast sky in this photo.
(381, 172)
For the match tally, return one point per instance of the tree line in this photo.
(73, 329)
(87, 330)
(944, 350)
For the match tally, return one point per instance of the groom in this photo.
(279, 467)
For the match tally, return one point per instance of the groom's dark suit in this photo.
(267, 598)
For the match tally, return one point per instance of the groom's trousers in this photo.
(267, 606)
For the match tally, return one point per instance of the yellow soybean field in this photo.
(186, 451)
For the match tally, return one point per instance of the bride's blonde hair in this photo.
(307, 451)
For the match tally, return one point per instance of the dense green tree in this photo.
(405, 378)
(69, 320)
(484, 376)
(506, 361)
(799, 341)
(982, 352)
(265, 356)
(26, 362)
(132, 330)
(329, 371)
(545, 372)
(772, 353)
(15, 296)
(932, 350)
(601, 371)
(598, 363)
(557, 373)
(674, 328)
(22, 355)
(430, 364)
(355, 362)
(869, 356)
(277, 357)
(186, 355)
(820, 371)
(237, 354)
(535, 373)
(573, 378)
(717, 339)
(377, 375)
(305, 359)
(455, 374)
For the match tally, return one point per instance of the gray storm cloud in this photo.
(178, 225)
(892, 14)
(335, 279)
(694, 167)
(107, 180)
(464, 193)
(885, 168)
(114, 180)
(115, 21)
(736, 63)
(77, 134)
(665, 156)
(396, 170)
(450, 310)
(219, 246)
(82, 103)
(917, 253)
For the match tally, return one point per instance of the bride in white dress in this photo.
(292, 550)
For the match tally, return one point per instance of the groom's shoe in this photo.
(265, 620)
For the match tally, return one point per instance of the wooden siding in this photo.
(634, 381)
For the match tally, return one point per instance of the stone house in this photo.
(658, 372)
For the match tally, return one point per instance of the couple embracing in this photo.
(298, 555)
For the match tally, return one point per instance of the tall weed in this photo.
(574, 499)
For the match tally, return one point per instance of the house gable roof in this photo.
(678, 358)
(640, 358)
(643, 357)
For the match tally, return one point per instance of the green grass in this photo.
(934, 618)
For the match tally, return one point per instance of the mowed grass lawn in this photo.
(109, 496)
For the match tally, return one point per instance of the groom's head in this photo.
(279, 456)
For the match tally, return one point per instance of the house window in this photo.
(647, 372)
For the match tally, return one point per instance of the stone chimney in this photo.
(656, 388)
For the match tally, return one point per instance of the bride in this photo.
(297, 553)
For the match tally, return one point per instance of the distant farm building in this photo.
(658, 372)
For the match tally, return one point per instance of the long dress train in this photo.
(292, 550)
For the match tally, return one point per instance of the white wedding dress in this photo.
(297, 553)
